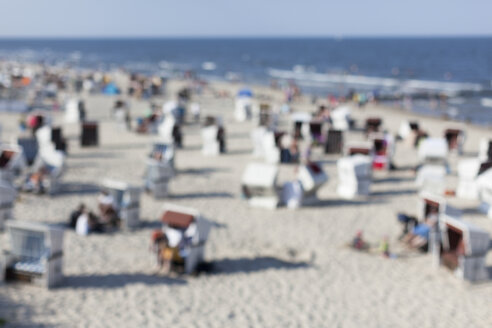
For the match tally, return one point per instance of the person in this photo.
(358, 241)
(87, 222)
(75, 215)
(409, 222)
(384, 247)
(107, 209)
(195, 110)
(35, 181)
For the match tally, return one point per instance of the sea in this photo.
(418, 70)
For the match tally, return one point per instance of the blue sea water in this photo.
(434, 59)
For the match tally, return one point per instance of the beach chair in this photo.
(53, 161)
(36, 253)
(266, 117)
(257, 135)
(485, 151)
(73, 111)
(484, 185)
(30, 148)
(164, 153)
(259, 185)
(383, 147)
(463, 248)
(468, 171)
(340, 118)
(270, 148)
(12, 162)
(126, 202)
(157, 177)
(213, 136)
(365, 148)
(8, 195)
(170, 132)
(312, 177)
(354, 176)
(317, 132)
(408, 132)
(48, 136)
(243, 108)
(432, 154)
(186, 229)
(373, 124)
(334, 142)
(455, 139)
(301, 127)
(89, 135)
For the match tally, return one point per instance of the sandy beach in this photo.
(271, 268)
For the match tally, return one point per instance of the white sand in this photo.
(260, 281)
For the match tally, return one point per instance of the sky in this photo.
(230, 18)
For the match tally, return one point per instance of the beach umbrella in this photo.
(111, 89)
(245, 93)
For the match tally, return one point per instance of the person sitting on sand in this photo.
(358, 241)
(35, 181)
(107, 209)
(419, 236)
(166, 255)
(75, 215)
(87, 222)
(384, 247)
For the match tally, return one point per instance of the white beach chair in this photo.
(463, 248)
(484, 184)
(383, 148)
(270, 149)
(340, 118)
(257, 136)
(126, 202)
(431, 178)
(467, 174)
(12, 162)
(485, 150)
(312, 178)
(432, 155)
(408, 132)
(54, 162)
(243, 108)
(359, 148)
(72, 113)
(433, 150)
(36, 253)
(157, 177)
(455, 138)
(354, 176)
(166, 130)
(187, 229)
(259, 185)
(211, 146)
(8, 195)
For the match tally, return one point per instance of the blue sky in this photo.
(164, 18)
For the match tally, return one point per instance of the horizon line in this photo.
(148, 37)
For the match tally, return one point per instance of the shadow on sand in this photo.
(203, 195)
(93, 155)
(343, 202)
(393, 180)
(239, 152)
(249, 265)
(202, 170)
(393, 192)
(118, 280)
(77, 188)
